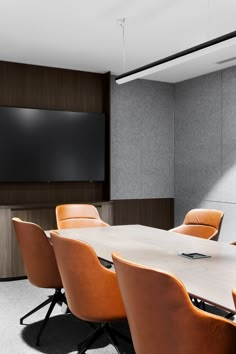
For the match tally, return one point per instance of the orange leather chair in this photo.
(162, 318)
(203, 223)
(40, 265)
(234, 296)
(78, 215)
(91, 290)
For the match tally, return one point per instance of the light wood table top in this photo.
(210, 279)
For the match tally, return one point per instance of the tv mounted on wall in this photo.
(38, 145)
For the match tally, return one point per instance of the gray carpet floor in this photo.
(62, 333)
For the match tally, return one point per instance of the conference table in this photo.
(209, 279)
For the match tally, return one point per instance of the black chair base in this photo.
(57, 297)
(103, 328)
(201, 305)
(230, 315)
(105, 264)
(198, 303)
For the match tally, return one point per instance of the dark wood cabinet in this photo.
(11, 264)
(150, 212)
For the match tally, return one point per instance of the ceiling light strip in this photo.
(180, 57)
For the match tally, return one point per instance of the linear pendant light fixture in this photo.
(178, 58)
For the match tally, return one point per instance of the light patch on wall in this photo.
(224, 189)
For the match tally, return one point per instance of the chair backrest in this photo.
(37, 254)
(91, 290)
(162, 318)
(78, 215)
(204, 223)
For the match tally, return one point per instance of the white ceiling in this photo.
(85, 35)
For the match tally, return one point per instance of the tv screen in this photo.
(39, 145)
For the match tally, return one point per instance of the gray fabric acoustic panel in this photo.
(198, 137)
(205, 147)
(228, 181)
(142, 140)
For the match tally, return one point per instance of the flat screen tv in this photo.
(38, 145)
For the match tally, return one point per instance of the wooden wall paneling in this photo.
(126, 212)
(50, 193)
(6, 255)
(105, 211)
(157, 213)
(31, 86)
(17, 265)
(44, 217)
(149, 212)
(107, 110)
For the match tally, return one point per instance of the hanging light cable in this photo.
(121, 22)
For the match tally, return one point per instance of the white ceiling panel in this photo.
(85, 35)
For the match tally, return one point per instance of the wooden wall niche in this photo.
(157, 213)
(33, 86)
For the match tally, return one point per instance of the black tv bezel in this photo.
(47, 181)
